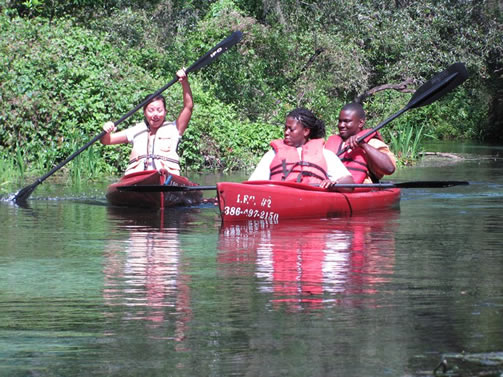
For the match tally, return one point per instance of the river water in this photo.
(91, 290)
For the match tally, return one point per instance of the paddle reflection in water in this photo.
(311, 264)
(143, 277)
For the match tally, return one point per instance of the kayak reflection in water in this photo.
(300, 155)
(368, 160)
(155, 140)
(340, 261)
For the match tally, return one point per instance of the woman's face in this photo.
(155, 113)
(295, 134)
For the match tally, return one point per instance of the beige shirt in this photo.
(381, 146)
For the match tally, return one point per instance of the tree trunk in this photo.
(401, 87)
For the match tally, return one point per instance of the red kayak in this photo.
(273, 201)
(152, 199)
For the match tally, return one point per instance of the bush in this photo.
(60, 84)
(217, 139)
(68, 68)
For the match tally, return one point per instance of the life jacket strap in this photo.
(309, 174)
(155, 157)
(286, 172)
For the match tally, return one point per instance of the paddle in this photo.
(441, 84)
(412, 184)
(22, 195)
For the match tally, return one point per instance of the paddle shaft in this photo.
(206, 59)
(412, 184)
(384, 185)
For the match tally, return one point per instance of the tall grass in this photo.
(11, 171)
(406, 144)
(20, 161)
(85, 166)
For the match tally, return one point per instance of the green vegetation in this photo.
(9, 172)
(68, 66)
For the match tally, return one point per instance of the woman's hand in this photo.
(181, 74)
(332, 185)
(109, 127)
(326, 183)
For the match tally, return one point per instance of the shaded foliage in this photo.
(71, 65)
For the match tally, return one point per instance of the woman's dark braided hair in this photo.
(309, 121)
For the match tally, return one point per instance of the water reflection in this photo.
(313, 263)
(143, 274)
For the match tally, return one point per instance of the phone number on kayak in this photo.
(251, 213)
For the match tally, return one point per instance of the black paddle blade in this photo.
(216, 51)
(427, 93)
(22, 195)
(441, 84)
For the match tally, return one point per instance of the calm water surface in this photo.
(91, 290)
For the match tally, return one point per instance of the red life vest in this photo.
(354, 159)
(287, 166)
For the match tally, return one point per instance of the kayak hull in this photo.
(152, 199)
(274, 201)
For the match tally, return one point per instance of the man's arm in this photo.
(379, 158)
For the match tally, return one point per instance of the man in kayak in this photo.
(155, 140)
(300, 156)
(369, 160)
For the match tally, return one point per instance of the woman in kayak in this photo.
(155, 140)
(369, 160)
(300, 155)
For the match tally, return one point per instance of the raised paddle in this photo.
(441, 84)
(412, 184)
(22, 195)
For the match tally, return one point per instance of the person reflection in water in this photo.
(143, 280)
(341, 260)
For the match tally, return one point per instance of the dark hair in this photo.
(356, 107)
(156, 98)
(309, 121)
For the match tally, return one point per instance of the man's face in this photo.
(349, 124)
